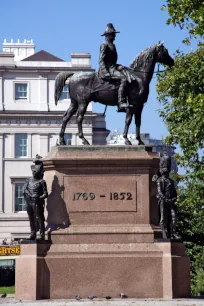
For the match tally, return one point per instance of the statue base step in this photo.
(140, 270)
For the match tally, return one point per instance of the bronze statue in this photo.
(35, 193)
(167, 197)
(133, 83)
(110, 70)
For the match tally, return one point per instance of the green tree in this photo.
(188, 14)
(181, 93)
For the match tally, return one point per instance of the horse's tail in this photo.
(59, 84)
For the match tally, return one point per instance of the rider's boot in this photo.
(122, 100)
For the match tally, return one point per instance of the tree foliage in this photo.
(181, 93)
(188, 14)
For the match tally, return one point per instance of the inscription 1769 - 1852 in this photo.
(112, 196)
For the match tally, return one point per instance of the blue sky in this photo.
(65, 26)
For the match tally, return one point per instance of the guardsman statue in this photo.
(110, 70)
(167, 196)
(35, 193)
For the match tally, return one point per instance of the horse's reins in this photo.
(155, 72)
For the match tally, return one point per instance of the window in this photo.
(20, 203)
(20, 145)
(21, 91)
(68, 139)
(15, 51)
(22, 51)
(65, 93)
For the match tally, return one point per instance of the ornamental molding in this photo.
(48, 116)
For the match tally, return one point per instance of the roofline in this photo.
(46, 69)
(34, 55)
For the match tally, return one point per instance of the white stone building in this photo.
(30, 122)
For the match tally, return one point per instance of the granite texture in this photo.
(103, 244)
(141, 270)
(112, 302)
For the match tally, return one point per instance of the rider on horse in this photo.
(110, 70)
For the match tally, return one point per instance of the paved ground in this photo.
(100, 302)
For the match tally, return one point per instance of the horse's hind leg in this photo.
(127, 124)
(80, 117)
(67, 115)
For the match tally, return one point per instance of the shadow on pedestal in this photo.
(58, 217)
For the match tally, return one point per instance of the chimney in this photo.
(81, 59)
(6, 59)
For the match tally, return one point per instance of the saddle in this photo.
(104, 84)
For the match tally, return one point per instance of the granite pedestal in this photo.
(102, 223)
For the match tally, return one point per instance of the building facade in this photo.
(30, 122)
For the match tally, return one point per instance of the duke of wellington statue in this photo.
(103, 236)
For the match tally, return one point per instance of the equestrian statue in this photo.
(113, 85)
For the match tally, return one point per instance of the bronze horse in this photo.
(85, 87)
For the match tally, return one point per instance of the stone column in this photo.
(1, 171)
(13, 146)
(29, 146)
(1, 92)
(43, 145)
(43, 92)
(74, 139)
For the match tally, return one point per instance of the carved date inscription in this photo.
(101, 193)
(112, 196)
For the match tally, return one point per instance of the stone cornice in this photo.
(37, 115)
(94, 157)
(45, 69)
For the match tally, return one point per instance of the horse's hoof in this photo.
(127, 142)
(140, 142)
(85, 142)
(62, 142)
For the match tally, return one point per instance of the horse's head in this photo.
(162, 55)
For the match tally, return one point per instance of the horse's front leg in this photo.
(80, 117)
(127, 124)
(138, 115)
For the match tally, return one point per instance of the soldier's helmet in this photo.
(109, 30)
(38, 166)
(165, 163)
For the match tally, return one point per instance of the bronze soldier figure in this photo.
(35, 192)
(167, 197)
(110, 70)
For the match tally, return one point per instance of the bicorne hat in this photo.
(165, 162)
(109, 30)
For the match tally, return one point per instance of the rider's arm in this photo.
(103, 50)
(45, 193)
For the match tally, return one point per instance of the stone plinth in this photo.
(102, 218)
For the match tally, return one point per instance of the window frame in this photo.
(28, 91)
(14, 182)
(26, 156)
(68, 139)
